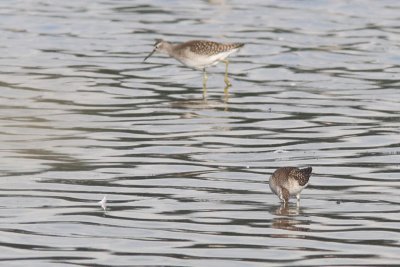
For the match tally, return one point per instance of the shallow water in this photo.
(186, 179)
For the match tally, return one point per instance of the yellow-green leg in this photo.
(205, 78)
(226, 80)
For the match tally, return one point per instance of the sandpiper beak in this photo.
(151, 53)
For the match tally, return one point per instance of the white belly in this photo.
(294, 188)
(197, 61)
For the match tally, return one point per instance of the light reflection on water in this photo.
(186, 179)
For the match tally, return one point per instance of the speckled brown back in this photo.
(202, 47)
(282, 175)
(301, 175)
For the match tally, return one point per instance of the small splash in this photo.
(280, 151)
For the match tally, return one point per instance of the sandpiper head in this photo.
(159, 46)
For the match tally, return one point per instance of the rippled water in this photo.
(186, 179)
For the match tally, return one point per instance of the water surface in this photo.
(186, 179)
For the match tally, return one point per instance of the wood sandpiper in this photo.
(289, 181)
(199, 54)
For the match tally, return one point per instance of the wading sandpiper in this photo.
(199, 54)
(289, 181)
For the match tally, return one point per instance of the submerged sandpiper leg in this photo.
(205, 78)
(298, 199)
(226, 92)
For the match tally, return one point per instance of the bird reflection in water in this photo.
(201, 104)
(286, 219)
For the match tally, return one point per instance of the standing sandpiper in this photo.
(198, 54)
(289, 181)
